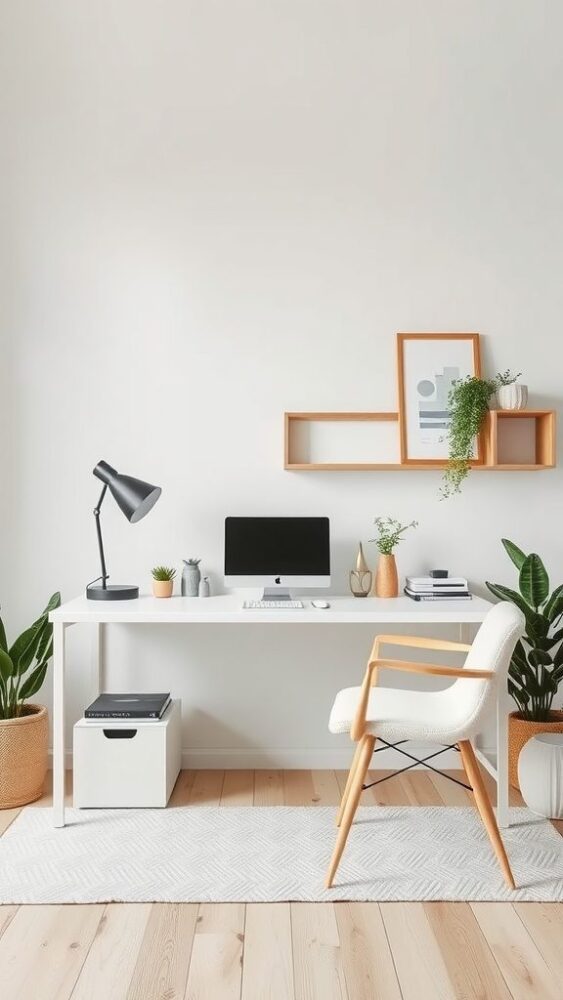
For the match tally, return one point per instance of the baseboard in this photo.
(307, 758)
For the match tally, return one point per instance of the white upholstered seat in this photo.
(445, 716)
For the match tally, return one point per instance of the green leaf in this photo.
(534, 581)
(538, 628)
(558, 658)
(3, 640)
(45, 641)
(23, 650)
(6, 665)
(554, 606)
(539, 658)
(506, 594)
(32, 683)
(53, 602)
(514, 552)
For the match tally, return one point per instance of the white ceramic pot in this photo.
(540, 773)
(512, 397)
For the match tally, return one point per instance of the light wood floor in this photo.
(308, 951)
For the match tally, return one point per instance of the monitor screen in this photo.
(277, 546)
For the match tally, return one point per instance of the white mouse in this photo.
(322, 605)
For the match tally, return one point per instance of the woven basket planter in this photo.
(520, 731)
(23, 756)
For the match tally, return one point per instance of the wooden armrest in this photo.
(437, 670)
(422, 642)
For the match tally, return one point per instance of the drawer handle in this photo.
(119, 734)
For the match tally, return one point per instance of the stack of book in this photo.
(128, 706)
(429, 588)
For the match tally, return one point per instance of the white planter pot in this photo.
(540, 773)
(512, 397)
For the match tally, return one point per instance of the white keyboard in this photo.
(272, 605)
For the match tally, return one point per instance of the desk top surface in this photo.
(227, 609)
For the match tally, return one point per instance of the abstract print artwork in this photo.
(429, 364)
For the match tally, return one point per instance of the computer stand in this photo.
(276, 594)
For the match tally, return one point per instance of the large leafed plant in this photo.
(23, 665)
(536, 668)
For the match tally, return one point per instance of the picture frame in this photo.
(427, 364)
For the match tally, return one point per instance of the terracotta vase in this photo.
(520, 731)
(386, 583)
(23, 756)
(162, 588)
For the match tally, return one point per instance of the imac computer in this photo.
(277, 553)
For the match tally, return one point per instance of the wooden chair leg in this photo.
(485, 808)
(349, 781)
(367, 744)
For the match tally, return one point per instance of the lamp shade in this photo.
(134, 497)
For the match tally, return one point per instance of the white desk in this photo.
(227, 610)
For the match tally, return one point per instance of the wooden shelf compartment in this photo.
(512, 441)
(519, 440)
(305, 434)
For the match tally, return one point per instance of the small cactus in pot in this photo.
(191, 575)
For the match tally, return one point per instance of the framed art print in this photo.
(428, 364)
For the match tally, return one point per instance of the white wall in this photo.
(216, 211)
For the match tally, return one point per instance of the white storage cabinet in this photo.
(127, 763)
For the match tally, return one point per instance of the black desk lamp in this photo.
(135, 498)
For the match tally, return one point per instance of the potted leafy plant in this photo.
(536, 668)
(24, 725)
(163, 581)
(468, 402)
(389, 534)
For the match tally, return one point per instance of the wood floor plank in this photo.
(110, 962)
(419, 790)
(44, 949)
(7, 914)
(317, 958)
(471, 967)
(368, 964)
(268, 962)
(525, 971)
(238, 788)
(544, 923)
(206, 788)
(268, 788)
(161, 970)
(182, 789)
(420, 967)
(450, 793)
(216, 962)
(298, 788)
(326, 790)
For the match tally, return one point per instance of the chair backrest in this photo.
(492, 649)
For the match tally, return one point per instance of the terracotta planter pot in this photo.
(162, 588)
(386, 583)
(23, 757)
(520, 731)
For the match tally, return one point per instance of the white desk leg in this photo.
(97, 671)
(59, 724)
(503, 707)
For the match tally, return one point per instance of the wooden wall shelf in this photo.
(512, 441)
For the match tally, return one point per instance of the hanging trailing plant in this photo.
(468, 402)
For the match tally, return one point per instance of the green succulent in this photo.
(23, 665)
(468, 403)
(536, 668)
(163, 573)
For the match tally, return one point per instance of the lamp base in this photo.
(113, 592)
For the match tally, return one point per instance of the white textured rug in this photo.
(270, 854)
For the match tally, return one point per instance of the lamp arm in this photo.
(99, 534)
